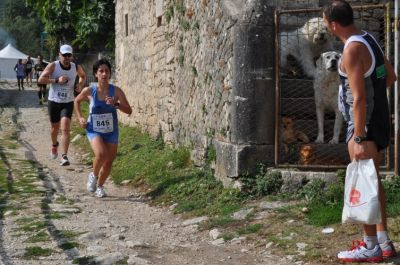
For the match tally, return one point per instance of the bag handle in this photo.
(355, 178)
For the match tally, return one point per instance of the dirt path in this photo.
(48, 218)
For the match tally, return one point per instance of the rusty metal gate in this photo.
(301, 73)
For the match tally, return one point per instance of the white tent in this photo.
(9, 56)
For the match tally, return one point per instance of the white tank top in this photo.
(62, 93)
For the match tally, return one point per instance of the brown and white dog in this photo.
(326, 87)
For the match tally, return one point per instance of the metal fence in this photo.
(306, 88)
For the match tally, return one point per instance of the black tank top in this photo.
(378, 116)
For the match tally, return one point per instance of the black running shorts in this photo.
(59, 110)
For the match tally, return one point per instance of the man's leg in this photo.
(368, 250)
(65, 134)
(369, 230)
(55, 127)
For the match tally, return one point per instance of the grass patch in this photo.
(38, 237)
(56, 216)
(250, 229)
(88, 260)
(32, 252)
(68, 245)
(68, 234)
(33, 227)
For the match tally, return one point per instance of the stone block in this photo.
(234, 160)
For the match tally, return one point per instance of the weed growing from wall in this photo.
(169, 13)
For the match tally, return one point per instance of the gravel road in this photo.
(47, 209)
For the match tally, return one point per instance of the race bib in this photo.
(103, 123)
(62, 93)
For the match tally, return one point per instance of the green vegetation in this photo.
(180, 8)
(262, 183)
(185, 25)
(33, 252)
(169, 13)
(167, 175)
(87, 24)
(194, 70)
(39, 237)
(253, 228)
(21, 26)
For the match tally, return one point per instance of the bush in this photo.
(263, 182)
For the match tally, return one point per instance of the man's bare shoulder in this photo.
(356, 48)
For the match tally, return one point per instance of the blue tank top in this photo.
(377, 115)
(103, 117)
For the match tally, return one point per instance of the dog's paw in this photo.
(334, 141)
(319, 140)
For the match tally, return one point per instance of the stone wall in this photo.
(176, 69)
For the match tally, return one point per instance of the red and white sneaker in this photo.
(388, 249)
(359, 253)
(54, 151)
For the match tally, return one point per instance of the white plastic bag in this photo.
(361, 194)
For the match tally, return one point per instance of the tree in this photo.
(20, 26)
(87, 24)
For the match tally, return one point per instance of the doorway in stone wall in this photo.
(301, 76)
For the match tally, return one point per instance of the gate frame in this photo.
(388, 29)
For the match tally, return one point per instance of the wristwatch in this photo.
(359, 139)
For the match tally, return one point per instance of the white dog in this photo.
(305, 45)
(326, 86)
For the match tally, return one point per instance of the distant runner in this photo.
(29, 64)
(39, 68)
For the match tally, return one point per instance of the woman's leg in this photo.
(99, 150)
(107, 162)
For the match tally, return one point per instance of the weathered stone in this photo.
(195, 221)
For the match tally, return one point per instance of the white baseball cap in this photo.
(65, 49)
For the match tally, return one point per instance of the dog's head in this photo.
(315, 31)
(287, 123)
(329, 61)
(306, 154)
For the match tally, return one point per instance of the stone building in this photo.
(200, 73)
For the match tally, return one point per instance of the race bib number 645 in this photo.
(103, 123)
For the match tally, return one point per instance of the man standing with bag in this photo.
(365, 74)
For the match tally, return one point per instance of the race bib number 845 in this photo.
(103, 123)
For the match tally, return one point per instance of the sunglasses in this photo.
(67, 55)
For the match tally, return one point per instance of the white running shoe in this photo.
(388, 249)
(100, 193)
(359, 253)
(91, 182)
(64, 161)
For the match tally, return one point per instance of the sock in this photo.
(371, 241)
(64, 155)
(382, 236)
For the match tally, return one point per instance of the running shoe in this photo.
(100, 193)
(388, 249)
(91, 182)
(359, 253)
(64, 161)
(54, 151)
